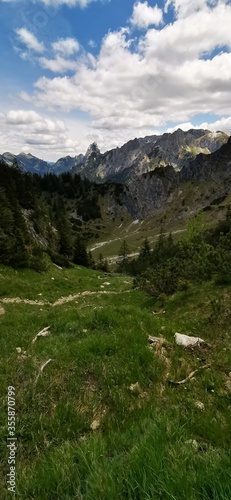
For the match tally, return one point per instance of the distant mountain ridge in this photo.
(136, 157)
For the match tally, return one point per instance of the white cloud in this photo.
(30, 40)
(223, 124)
(66, 47)
(134, 87)
(37, 122)
(92, 44)
(183, 8)
(143, 15)
(58, 65)
(165, 79)
(28, 131)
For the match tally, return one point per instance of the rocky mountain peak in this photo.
(92, 150)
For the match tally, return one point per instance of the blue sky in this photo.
(77, 71)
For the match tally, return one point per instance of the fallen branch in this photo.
(155, 340)
(43, 333)
(42, 368)
(189, 376)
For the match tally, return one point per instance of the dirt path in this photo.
(113, 258)
(61, 300)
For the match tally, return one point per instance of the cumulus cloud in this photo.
(30, 40)
(143, 15)
(58, 65)
(29, 131)
(66, 47)
(37, 122)
(137, 87)
(165, 79)
(223, 124)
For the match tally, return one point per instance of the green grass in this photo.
(82, 432)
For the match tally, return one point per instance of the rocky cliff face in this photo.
(133, 159)
(143, 155)
(27, 163)
(200, 182)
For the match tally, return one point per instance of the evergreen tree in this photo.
(91, 262)
(123, 261)
(102, 264)
(65, 236)
(145, 256)
(80, 256)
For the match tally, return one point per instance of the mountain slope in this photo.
(134, 158)
(145, 154)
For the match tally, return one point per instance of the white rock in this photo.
(95, 425)
(199, 405)
(193, 443)
(135, 387)
(186, 340)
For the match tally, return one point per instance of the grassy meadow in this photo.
(104, 419)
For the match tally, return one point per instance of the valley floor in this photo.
(99, 415)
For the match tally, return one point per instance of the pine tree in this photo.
(65, 237)
(145, 255)
(123, 262)
(80, 256)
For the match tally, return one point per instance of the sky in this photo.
(75, 72)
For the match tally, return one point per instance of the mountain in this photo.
(143, 155)
(105, 213)
(27, 163)
(133, 159)
(201, 182)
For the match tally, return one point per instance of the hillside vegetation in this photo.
(105, 418)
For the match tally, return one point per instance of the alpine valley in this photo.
(148, 185)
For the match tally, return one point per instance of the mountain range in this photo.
(136, 157)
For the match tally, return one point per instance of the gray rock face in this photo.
(143, 155)
(133, 159)
(26, 162)
(159, 189)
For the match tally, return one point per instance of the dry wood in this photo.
(189, 376)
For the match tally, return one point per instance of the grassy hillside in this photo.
(104, 420)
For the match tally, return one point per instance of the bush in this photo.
(183, 285)
(37, 260)
(59, 260)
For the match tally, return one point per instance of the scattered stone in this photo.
(193, 443)
(187, 340)
(95, 425)
(135, 388)
(101, 286)
(228, 385)
(83, 438)
(199, 405)
(2, 311)
(22, 354)
(84, 330)
(106, 283)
